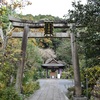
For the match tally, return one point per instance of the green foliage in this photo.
(45, 43)
(96, 90)
(30, 87)
(9, 93)
(71, 92)
(33, 62)
(89, 17)
(46, 17)
(8, 64)
(30, 74)
(55, 43)
(4, 22)
(35, 75)
(38, 74)
(38, 17)
(33, 55)
(64, 75)
(25, 17)
(10, 58)
(92, 75)
(67, 75)
(64, 51)
(2, 86)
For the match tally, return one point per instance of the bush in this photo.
(63, 75)
(66, 75)
(30, 87)
(92, 75)
(70, 92)
(96, 91)
(9, 93)
(2, 86)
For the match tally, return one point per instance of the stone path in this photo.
(51, 89)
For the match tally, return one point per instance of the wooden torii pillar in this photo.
(22, 62)
(75, 61)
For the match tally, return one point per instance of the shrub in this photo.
(63, 75)
(2, 86)
(96, 91)
(66, 75)
(92, 75)
(9, 93)
(70, 93)
(30, 87)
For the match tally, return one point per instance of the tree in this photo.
(47, 53)
(88, 16)
(64, 51)
(5, 10)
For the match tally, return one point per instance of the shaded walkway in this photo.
(52, 89)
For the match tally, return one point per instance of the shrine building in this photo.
(55, 67)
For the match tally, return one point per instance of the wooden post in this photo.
(75, 61)
(22, 63)
(58, 71)
(24, 45)
(47, 73)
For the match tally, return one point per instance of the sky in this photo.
(50, 7)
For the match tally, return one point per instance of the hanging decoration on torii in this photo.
(48, 29)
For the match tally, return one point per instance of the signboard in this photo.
(48, 29)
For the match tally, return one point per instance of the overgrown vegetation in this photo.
(90, 76)
(9, 93)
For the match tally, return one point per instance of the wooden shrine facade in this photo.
(54, 66)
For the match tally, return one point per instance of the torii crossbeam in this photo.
(62, 24)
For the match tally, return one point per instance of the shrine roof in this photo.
(52, 63)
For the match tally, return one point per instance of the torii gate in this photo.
(41, 24)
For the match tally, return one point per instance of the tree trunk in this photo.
(19, 78)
